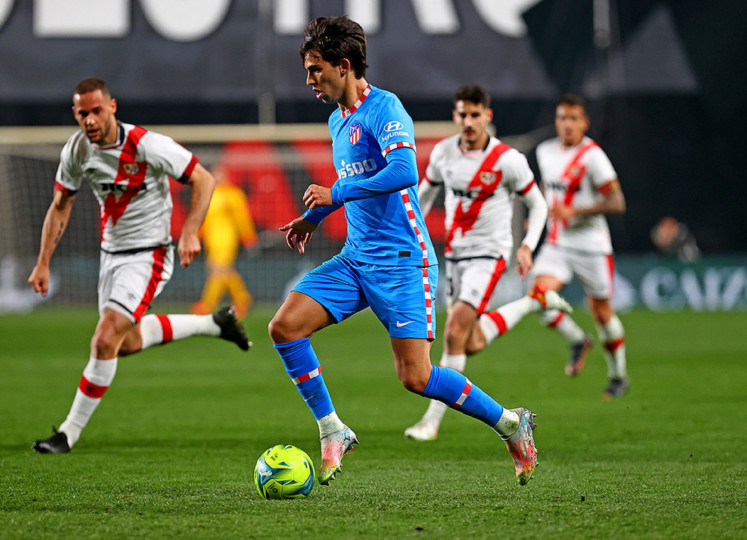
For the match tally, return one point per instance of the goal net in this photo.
(273, 165)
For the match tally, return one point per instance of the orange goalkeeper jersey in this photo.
(228, 223)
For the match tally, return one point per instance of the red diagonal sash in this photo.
(130, 171)
(574, 173)
(465, 219)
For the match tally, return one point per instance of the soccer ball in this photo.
(284, 472)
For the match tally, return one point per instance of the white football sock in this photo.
(612, 336)
(497, 322)
(158, 329)
(563, 323)
(97, 377)
(329, 424)
(491, 324)
(508, 423)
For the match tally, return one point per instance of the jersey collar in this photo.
(118, 142)
(465, 152)
(347, 112)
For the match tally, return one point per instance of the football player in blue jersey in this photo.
(387, 263)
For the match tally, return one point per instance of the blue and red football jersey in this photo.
(385, 225)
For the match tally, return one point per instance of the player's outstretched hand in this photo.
(298, 233)
(523, 261)
(39, 279)
(317, 195)
(188, 248)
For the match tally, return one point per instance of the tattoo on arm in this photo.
(59, 233)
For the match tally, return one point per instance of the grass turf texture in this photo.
(171, 450)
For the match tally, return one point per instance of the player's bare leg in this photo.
(466, 334)
(541, 297)
(296, 320)
(159, 329)
(96, 379)
(461, 327)
(116, 335)
(579, 342)
(515, 426)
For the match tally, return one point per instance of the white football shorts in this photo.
(595, 271)
(473, 281)
(129, 282)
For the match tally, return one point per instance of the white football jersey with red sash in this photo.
(130, 180)
(479, 192)
(578, 177)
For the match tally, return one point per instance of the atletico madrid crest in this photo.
(354, 133)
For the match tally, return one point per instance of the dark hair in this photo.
(90, 85)
(474, 93)
(573, 100)
(335, 38)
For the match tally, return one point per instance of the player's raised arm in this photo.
(427, 193)
(535, 224)
(202, 183)
(55, 223)
(613, 202)
(536, 220)
(400, 172)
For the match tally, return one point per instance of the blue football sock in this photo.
(454, 389)
(304, 370)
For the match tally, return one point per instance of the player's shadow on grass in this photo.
(171, 444)
(130, 445)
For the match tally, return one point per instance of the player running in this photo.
(481, 176)
(387, 263)
(581, 187)
(128, 170)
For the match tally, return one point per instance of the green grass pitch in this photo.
(171, 450)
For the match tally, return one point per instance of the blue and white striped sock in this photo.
(454, 389)
(303, 368)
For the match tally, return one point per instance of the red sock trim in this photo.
(465, 393)
(166, 330)
(557, 320)
(612, 346)
(91, 390)
(307, 376)
(499, 321)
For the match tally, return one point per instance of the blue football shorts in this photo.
(402, 297)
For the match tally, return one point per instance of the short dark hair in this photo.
(573, 100)
(90, 85)
(335, 38)
(474, 93)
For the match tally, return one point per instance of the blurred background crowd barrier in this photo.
(274, 167)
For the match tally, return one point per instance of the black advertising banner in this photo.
(234, 50)
(664, 80)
